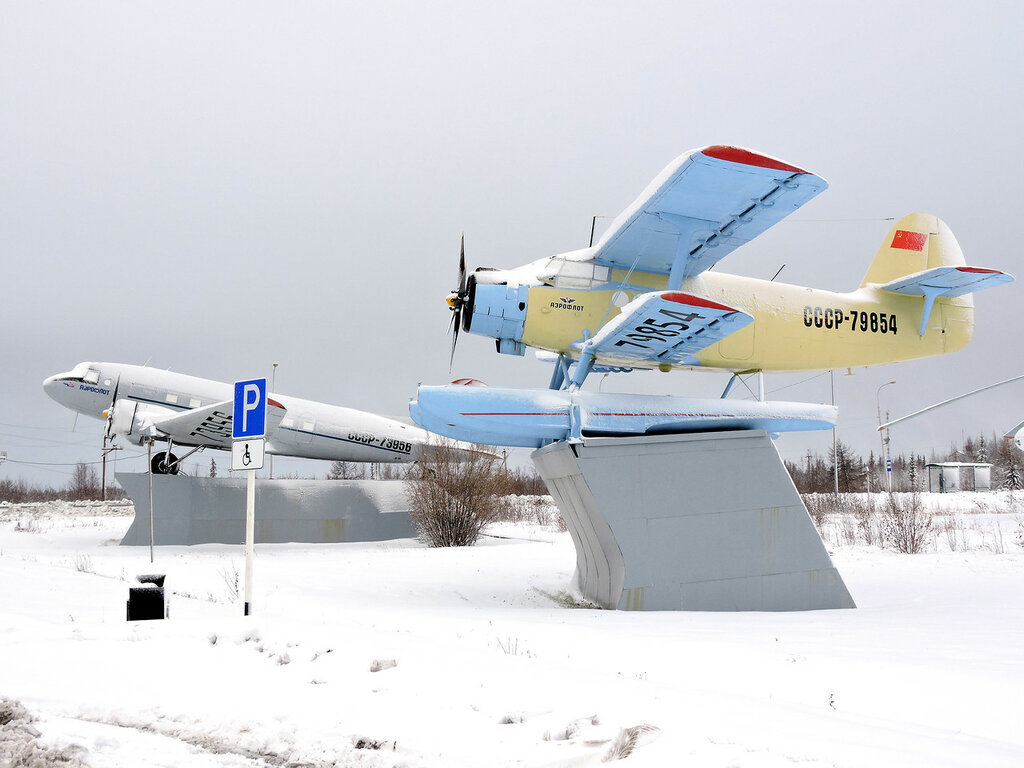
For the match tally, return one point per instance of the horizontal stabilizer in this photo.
(533, 417)
(948, 281)
(945, 281)
(211, 424)
(1016, 434)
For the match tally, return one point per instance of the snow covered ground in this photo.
(392, 654)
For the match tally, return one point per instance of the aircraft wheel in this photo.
(160, 467)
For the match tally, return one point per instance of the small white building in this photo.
(949, 476)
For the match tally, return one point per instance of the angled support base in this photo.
(700, 522)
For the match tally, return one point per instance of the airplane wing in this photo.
(211, 424)
(665, 327)
(703, 206)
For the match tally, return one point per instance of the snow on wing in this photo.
(703, 206)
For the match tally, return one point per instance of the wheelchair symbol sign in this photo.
(248, 454)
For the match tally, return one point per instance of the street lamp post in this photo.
(883, 435)
(273, 382)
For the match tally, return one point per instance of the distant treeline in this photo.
(85, 482)
(816, 473)
(83, 486)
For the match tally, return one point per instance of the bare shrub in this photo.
(454, 494)
(846, 530)
(231, 579)
(628, 740)
(998, 545)
(28, 525)
(906, 524)
(955, 531)
(868, 525)
(818, 508)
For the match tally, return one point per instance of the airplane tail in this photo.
(917, 242)
(920, 257)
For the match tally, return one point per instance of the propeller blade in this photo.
(457, 300)
(455, 340)
(110, 410)
(462, 265)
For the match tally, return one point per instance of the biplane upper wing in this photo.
(211, 425)
(703, 206)
(664, 327)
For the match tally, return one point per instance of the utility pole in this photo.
(106, 450)
(884, 435)
(835, 440)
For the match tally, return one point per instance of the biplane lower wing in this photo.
(660, 327)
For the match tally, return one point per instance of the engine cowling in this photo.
(498, 311)
(134, 421)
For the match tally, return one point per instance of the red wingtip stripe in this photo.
(695, 301)
(746, 157)
(981, 270)
(275, 404)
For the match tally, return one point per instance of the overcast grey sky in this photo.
(213, 187)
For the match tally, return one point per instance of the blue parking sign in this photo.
(250, 409)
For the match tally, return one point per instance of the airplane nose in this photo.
(52, 384)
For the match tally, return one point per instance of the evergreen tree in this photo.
(342, 470)
(1014, 478)
(850, 467)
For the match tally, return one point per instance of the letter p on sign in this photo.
(249, 418)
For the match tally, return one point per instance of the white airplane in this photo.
(141, 403)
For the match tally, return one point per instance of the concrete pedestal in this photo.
(699, 522)
(211, 510)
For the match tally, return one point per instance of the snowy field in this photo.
(393, 654)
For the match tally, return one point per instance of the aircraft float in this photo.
(645, 297)
(141, 403)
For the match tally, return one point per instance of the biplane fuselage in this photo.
(794, 328)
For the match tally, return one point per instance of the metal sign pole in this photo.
(250, 534)
(149, 460)
(248, 430)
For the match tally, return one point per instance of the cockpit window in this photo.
(569, 273)
(83, 372)
(79, 371)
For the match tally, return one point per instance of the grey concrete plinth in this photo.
(698, 522)
(211, 510)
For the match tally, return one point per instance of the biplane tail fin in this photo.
(920, 257)
(917, 242)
